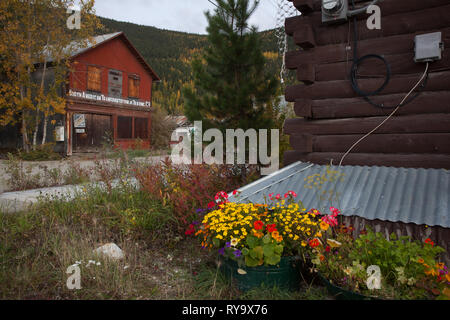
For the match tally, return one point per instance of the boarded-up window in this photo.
(115, 84)
(124, 127)
(133, 87)
(141, 128)
(94, 82)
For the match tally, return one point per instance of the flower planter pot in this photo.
(285, 275)
(341, 293)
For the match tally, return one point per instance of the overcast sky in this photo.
(178, 15)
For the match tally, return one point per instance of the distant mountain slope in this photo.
(169, 53)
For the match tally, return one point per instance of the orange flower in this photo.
(440, 265)
(324, 226)
(259, 235)
(322, 257)
(431, 272)
(421, 261)
(276, 236)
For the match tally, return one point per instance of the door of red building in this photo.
(91, 131)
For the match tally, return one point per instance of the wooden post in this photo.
(69, 137)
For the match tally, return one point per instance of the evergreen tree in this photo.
(232, 88)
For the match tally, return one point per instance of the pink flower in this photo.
(278, 196)
(221, 194)
(294, 194)
(290, 193)
(331, 220)
(334, 211)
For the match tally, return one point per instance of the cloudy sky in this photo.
(179, 15)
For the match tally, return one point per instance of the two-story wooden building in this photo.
(109, 96)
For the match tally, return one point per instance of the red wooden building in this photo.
(109, 96)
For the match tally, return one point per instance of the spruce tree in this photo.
(232, 88)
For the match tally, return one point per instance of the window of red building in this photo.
(94, 82)
(124, 127)
(115, 83)
(133, 87)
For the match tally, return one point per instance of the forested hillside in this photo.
(170, 53)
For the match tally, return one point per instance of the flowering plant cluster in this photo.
(257, 234)
(409, 269)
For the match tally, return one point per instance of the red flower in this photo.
(190, 230)
(258, 225)
(314, 243)
(271, 228)
(212, 204)
(428, 241)
(235, 192)
(328, 249)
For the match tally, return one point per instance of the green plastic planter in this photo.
(341, 293)
(285, 275)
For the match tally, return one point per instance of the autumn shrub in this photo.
(161, 129)
(187, 188)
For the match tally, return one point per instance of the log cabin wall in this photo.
(331, 115)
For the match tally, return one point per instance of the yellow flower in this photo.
(304, 243)
(324, 226)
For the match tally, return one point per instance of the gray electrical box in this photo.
(428, 47)
(334, 11)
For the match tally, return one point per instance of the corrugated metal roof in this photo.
(420, 196)
(95, 42)
(77, 47)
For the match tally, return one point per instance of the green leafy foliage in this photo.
(410, 269)
(261, 251)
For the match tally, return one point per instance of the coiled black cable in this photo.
(354, 74)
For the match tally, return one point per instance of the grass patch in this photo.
(37, 247)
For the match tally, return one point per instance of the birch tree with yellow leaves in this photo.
(35, 46)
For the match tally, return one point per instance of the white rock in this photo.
(110, 250)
